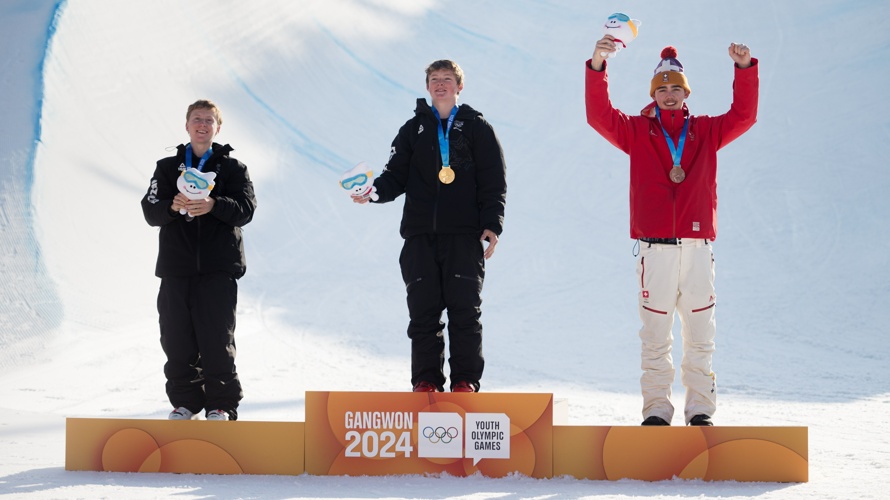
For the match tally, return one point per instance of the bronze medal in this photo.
(446, 175)
(677, 174)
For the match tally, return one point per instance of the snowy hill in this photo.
(92, 93)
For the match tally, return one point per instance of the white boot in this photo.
(182, 413)
(217, 415)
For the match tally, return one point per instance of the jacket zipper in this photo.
(674, 190)
(411, 284)
(198, 246)
(674, 212)
(438, 192)
(471, 278)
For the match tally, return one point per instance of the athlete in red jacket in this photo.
(673, 213)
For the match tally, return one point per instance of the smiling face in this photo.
(670, 96)
(621, 27)
(613, 23)
(202, 126)
(617, 26)
(443, 87)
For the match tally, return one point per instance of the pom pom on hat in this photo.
(668, 61)
(669, 71)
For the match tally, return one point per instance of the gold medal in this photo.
(677, 174)
(446, 175)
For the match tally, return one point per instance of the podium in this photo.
(765, 454)
(184, 446)
(461, 434)
(415, 433)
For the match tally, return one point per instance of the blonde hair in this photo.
(204, 104)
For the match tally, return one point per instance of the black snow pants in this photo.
(197, 319)
(444, 271)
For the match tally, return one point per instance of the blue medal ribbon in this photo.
(188, 157)
(676, 151)
(188, 165)
(443, 136)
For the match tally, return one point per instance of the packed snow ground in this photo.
(93, 92)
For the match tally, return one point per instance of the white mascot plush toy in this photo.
(623, 29)
(195, 185)
(359, 181)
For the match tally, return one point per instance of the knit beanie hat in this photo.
(669, 71)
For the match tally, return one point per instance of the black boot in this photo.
(701, 420)
(653, 420)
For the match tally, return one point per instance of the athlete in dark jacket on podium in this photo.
(200, 258)
(449, 164)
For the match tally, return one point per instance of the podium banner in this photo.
(774, 454)
(184, 446)
(382, 433)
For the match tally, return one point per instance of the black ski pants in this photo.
(444, 271)
(197, 319)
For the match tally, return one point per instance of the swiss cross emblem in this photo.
(664, 77)
(645, 294)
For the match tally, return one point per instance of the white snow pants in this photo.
(677, 278)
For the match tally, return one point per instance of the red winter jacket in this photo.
(659, 208)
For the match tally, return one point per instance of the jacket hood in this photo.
(649, 110)
(217, 149)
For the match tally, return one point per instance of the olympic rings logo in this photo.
(439, 434)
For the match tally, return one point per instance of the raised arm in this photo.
(604, 45)
(741, 54)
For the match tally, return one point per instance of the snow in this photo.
(93, 92)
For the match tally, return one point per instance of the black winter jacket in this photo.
(473, 202)
(211, 242)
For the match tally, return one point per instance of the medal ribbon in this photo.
(188, 157)
(676, 151)
(443, 135)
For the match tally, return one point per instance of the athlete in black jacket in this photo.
(200, 257)
(449, 164)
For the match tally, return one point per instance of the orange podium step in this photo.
(389, 433)
(769, 454)
(382, 433)
(184, 446)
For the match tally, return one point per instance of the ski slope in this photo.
(93, 92)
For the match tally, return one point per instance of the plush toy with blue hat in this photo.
(623, 29)
(195, 185)
(359, 181)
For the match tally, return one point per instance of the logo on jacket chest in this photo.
(457, 125)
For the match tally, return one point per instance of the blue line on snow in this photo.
(40, 90)
(362, 62)
(446, 21)
(308, 148)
